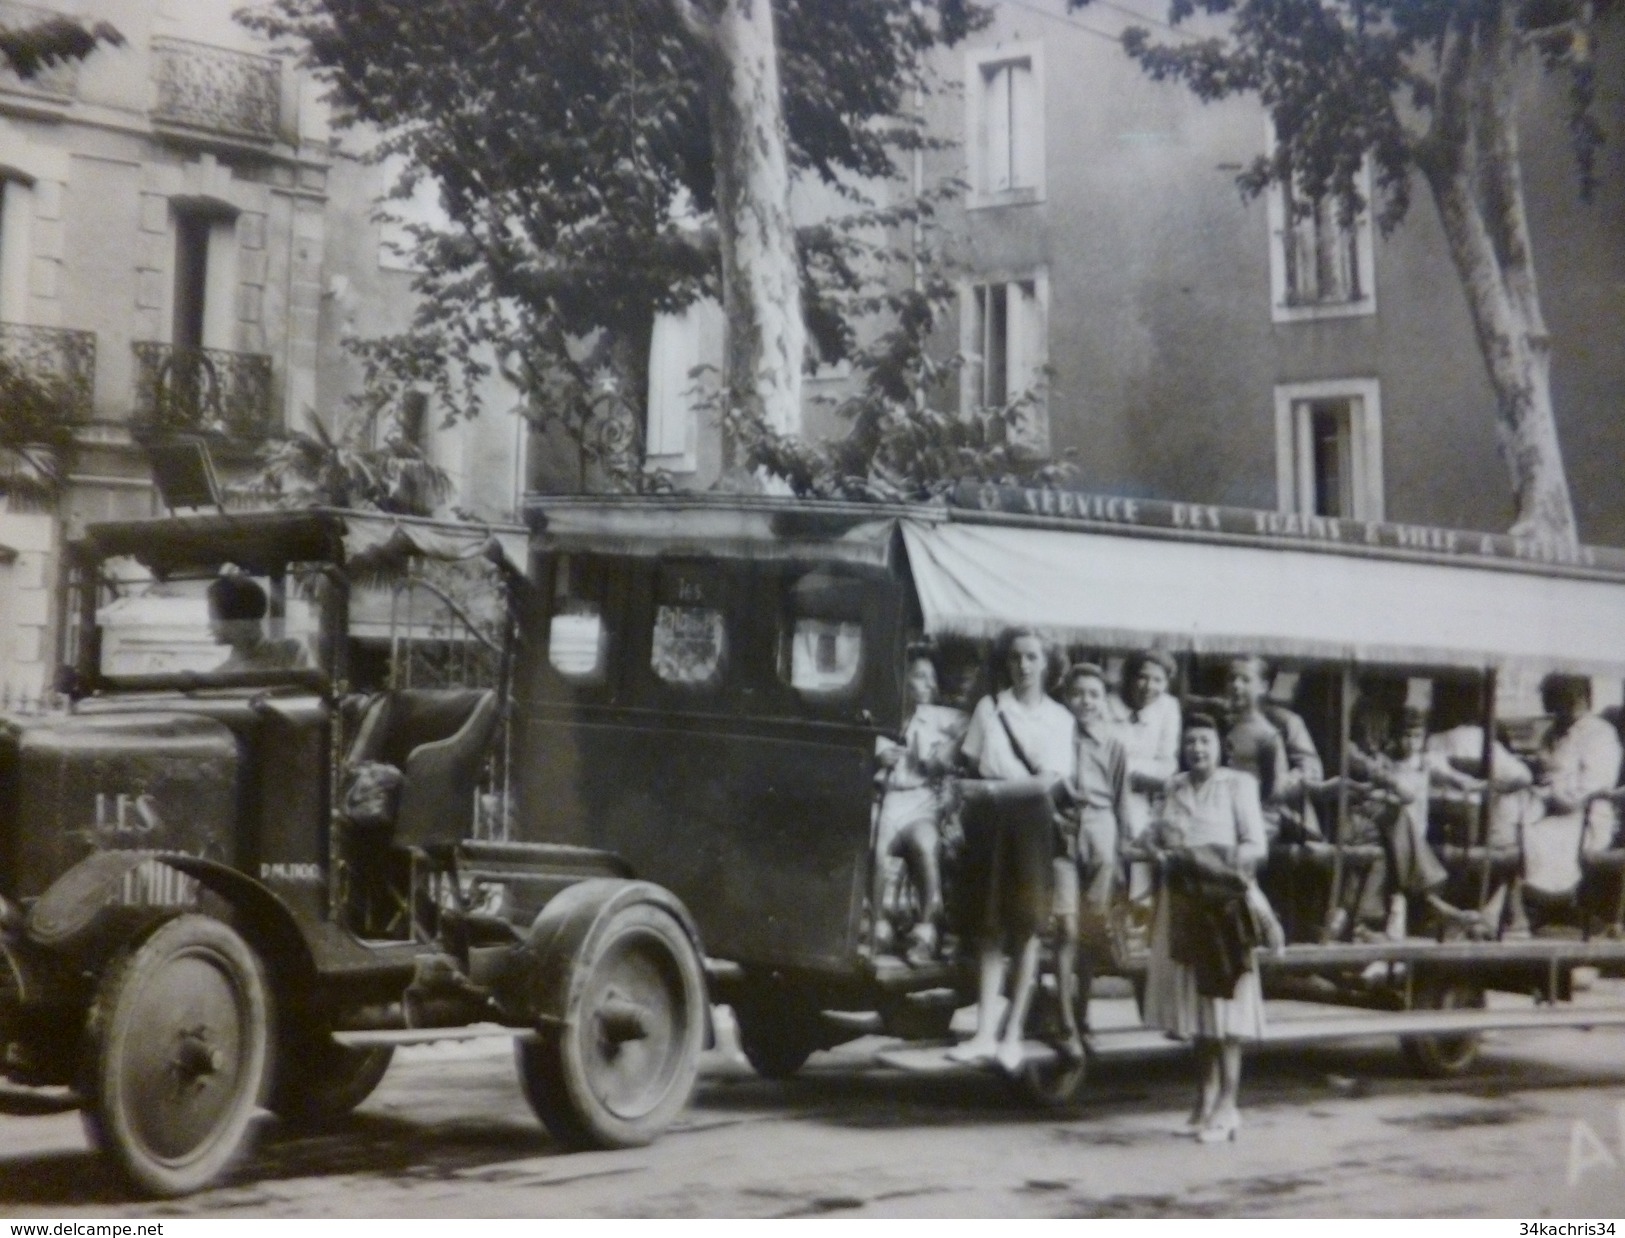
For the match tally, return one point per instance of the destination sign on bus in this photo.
(1276, 528)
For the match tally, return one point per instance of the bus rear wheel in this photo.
(1445, 1057)
(622, 1063)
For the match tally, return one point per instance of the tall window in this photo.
(16, 220)
(203, 310)
(1329, 449)
(1005, 126)
(1319, 268)
(191, 280)
(689, 645)
(1004, 334)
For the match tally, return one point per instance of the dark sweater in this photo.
(1211, 929)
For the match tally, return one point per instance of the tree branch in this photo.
(1500, 188)
(1440, 149)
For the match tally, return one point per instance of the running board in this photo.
(1346, 955)
(1144, 1042)
(396, 1037)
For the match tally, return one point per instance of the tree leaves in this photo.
(1347, 80)
(28, 50)
(324, 467)
(571, 143)
(37, 440)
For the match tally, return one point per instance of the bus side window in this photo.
(576, 636)
(821, 637)
(689, 646)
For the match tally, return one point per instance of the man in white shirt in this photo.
(1146, 719)
(1579, 764)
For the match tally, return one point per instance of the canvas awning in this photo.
(1124, 592)
(372, 540)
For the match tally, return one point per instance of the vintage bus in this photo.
(706, 677)
(234, 879)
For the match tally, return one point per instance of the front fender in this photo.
(78, 905)
(95, 903)
(545, 983)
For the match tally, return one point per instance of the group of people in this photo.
(1531, 822)
(1175, 808)
(1106, 768)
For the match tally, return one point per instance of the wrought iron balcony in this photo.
(211, 89)
(55, 83)
(60, 362)
(202, 390)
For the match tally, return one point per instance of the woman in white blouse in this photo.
(1019, 734)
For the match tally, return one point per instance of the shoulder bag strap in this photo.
(1015, 744)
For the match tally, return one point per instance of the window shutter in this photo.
(679, 343)
(1027, 342)
(1024, 126)
(672, 351)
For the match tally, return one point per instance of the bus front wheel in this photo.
(178, 1054)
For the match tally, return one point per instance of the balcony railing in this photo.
(55, 83)
(237, 94)
(202, 390)
(59, 362)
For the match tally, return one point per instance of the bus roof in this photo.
(266, 541)
(1128, 572)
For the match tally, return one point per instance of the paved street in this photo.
(1343, 1130)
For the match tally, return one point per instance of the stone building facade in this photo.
(183, 246)
(1196, 346)
(161, 243)
(1203, 348)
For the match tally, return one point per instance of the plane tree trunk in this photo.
(1470, 161)
(761, 280)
